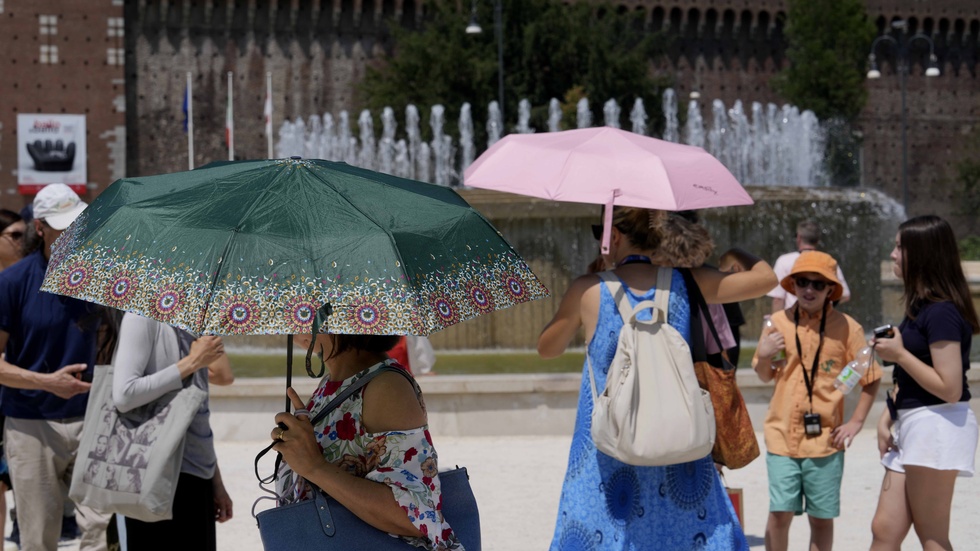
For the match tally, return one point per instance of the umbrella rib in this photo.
(391, 238)
(208, 303)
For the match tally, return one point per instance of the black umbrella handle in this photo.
(289, 367)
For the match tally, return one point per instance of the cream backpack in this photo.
(652, 411)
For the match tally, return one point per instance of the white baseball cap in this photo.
(58, 205)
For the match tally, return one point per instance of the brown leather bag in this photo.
(735, 442)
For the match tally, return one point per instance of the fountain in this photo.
(414, 142)
(386, 149)
(638, 116)
(442, 147)
(523, 116)
(671, 133)
(366, 155)
(778, 147)
(610, 113)
(467, 150)
(694, 129)
(423, 160)
(554, 115)
(769, 145)
(495, 123)
(583, 115)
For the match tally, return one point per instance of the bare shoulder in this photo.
(582, 289)
(390, 404)
(583, 283)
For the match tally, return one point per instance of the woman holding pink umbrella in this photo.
(607, 504)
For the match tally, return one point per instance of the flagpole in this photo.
(190, 122)
(268, 112)
(230, 122)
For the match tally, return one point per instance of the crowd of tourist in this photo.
(927, 436)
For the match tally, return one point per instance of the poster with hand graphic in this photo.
(51, 149)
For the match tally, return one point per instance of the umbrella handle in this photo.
(289, 367)
(607, 221)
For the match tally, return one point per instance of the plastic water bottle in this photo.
(778, 359)
(852, 372)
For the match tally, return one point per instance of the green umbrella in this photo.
(257, 247)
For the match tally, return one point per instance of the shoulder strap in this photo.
(357, 385)
(701, 310)
(699, 352)
(332, 405)
(662, 296)
(618, 293)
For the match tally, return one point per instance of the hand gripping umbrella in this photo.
(258, 247)
(607, 166)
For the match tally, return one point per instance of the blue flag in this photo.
(186, 99)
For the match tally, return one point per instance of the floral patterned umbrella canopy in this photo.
(257, 247)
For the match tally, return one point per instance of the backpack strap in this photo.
(618, 293)
(622, 303)
(660, 303)
(662, 296)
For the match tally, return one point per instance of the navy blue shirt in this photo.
(43, 336)
(935, 322)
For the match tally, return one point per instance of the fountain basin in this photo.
(859, 226)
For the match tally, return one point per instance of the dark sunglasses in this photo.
(816, 285)
(597, 231)
(14, 234)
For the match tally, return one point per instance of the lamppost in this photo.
(498, 25)
(902, 50)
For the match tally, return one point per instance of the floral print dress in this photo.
(406, 461)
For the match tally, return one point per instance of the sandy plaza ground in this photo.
(517, 482)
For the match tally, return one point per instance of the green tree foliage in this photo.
(550, 48)
(970, 248)
(828, 53)
(966, 173)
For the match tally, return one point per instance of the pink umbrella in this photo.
(607, 166)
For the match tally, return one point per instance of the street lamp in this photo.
(498, 24)
(902, 46)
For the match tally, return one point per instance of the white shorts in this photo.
(942, 437)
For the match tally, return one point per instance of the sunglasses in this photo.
(597, 231)
(816, 284)
(14, 234)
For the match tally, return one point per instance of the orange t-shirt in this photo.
(843, 338)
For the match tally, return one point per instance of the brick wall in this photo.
(318, 50)
(63, 57)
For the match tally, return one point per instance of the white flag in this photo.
(268, 115)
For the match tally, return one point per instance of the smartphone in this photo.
(884, 332)
(87, 375)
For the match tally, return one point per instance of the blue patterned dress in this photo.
(607, 505)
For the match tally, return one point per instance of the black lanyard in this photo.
(811, 379)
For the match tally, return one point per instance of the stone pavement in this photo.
(517, 482)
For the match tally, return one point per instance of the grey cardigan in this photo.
(145, 364)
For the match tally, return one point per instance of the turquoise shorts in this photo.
(815, 478)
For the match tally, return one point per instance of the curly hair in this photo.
(685, 243)
(642, 227)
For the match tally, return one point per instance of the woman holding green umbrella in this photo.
(372, 453)
(680, 506)
(255, 247)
